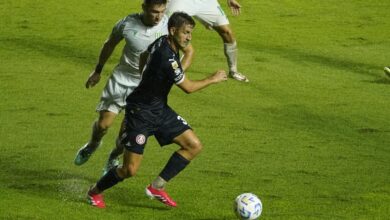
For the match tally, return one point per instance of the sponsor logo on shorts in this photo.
(182, 120)
(140, 139)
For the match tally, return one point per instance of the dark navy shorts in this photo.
(165, 124)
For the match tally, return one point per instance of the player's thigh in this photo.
(171, 126)
(188, 140)
(210, 13)
(138, 126)
(113, 98)
(188, 6)
(131, 163)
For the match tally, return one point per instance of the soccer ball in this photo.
(248, 206)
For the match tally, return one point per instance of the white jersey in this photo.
(137, 37)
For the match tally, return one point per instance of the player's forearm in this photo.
(187, 57)
(186, 61)
(105, 53)
(196, 85)
(190, 86)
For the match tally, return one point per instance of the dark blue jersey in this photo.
(161, 71)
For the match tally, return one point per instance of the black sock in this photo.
(175, 164)
(109, 180)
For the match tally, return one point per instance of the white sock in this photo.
(231, 53)
(159, 183)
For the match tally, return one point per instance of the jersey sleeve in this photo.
(117, 30)
(174, 71)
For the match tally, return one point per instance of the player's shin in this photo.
(109, 180)
(174, 166)
(231, 51)
(97, 135)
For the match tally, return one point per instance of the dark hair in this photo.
(154, 2)
(179, 19)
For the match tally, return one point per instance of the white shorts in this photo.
(209, 12)
(114, 95)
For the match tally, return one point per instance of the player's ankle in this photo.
(158, 183)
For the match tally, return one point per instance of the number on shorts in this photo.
(182, 120)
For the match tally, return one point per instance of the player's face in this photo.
(183, 35)
(153, 14)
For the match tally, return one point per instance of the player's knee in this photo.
(128, 171)
(103, 125)
(227, 35)
(105, 120)
(131, 171)
(227, 32)
(196, 147)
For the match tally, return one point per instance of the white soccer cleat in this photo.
(238, 76)
(387, 70)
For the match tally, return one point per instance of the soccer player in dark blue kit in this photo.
(147, 113)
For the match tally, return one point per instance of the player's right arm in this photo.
(105, 53)
(234, 6)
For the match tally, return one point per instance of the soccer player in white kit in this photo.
(210, 13)
(138, 30)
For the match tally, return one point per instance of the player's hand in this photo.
(234, 6)
(219, 76)
(92, 80)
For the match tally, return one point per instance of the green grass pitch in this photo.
(309, 134)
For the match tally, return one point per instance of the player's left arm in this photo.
(188, 54)
(190, 86)
(234, 6)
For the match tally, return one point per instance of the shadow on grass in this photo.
(126, 198)
(66, 186)
(302, 57)
(46, 183)
(385, 81)
(51, 49)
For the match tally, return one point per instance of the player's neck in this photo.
(173, 45)
(144, 21)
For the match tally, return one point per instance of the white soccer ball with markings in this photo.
(248, 206)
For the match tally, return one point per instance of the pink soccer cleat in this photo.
(96, 200)
(160, 195)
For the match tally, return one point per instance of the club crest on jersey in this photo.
(140, 139)
(174, 65)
